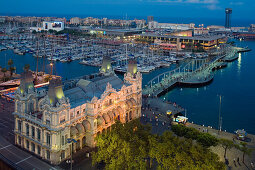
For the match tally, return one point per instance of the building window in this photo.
(83, 110)
(71, 115)
(19, 140)
(38, 150)
(27, 129)
(19, 107)
(48, 138)
(78, 112)
(33, 132)
(48, 155)
(19, 126)
(63, 155)
(27, 144)
(47, 122)
(33, 147)
(31, 107)
(62, 119)
(63, 140)
(38, 134)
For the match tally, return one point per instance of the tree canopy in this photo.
(204, 139)
(133, 146)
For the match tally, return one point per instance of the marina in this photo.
(234, 71)
(72, 87)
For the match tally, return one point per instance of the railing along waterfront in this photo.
(194, 72)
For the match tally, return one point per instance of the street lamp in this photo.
(220, 118)
(51, 66)
(70, 140)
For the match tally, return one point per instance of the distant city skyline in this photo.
(179, 10)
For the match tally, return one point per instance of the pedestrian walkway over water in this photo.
(195, 72)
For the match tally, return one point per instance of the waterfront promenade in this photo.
(156, 116)
(232, 153)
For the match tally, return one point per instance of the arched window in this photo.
(84, 141)
(130, 115)
(126, 118)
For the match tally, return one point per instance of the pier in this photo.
(195, 72)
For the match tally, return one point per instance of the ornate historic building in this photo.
(79, 109)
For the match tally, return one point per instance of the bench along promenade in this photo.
(194, 72)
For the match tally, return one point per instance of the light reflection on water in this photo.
(239, 64)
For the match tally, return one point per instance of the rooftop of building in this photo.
(85, 89)
(201, 37)
(119, 30)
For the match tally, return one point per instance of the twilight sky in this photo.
(242, 9)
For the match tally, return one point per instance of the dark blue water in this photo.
(66, 70)
(235, 83)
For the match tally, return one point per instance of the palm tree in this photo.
(4, 70)
(10, 63)
(26, 67)
(226, 144)
(12, 69)
(243, 148)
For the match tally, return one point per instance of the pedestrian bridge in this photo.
(195, 72)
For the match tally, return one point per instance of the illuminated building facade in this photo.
(80, 109)
(172, 42)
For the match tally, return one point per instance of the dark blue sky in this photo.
(178, 9)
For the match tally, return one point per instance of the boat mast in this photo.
(44, 54)
(37, 57)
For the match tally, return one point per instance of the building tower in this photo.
(228, 12)
(150, 19)
(106, 67)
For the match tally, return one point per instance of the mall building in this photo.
(182, 42)
(79, 109)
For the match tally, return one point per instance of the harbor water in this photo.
(235, 84)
